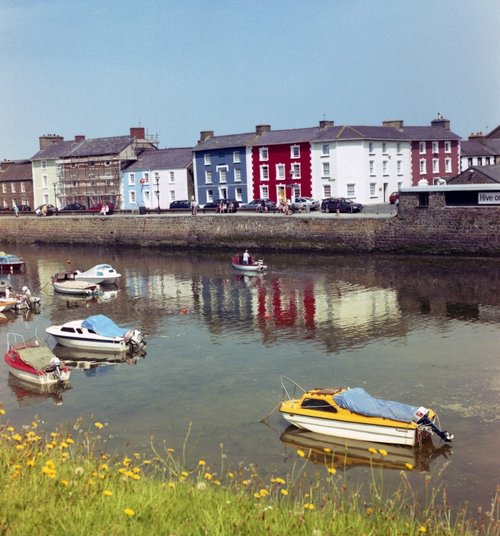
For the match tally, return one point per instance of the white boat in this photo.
(98, 333)
(251, 266)
(33, 362)
(354, 414)
(100, 273)
(65, 283)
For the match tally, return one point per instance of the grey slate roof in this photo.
(175, 158)
(56, 150)
(478, 175)
(429, 133)
(222, 142)
(17, 171)
(359, 132)
(475, 148)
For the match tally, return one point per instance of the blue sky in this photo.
(99, 67)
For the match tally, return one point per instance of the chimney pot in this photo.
(260, 129)
(205, 135)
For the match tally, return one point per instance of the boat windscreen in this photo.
(359, 401)
(104, 326)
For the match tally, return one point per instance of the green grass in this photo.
(64, 482)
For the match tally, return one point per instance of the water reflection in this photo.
(28, 394)
(338, 453)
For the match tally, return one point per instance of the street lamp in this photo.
(157, 191)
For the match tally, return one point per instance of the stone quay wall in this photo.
(445, 231)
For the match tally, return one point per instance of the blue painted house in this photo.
(222, 167)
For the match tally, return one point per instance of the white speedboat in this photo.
(98, 333)
(354, 414)
(33, 362)
(102, 274)
(66, 283)
(252, 266)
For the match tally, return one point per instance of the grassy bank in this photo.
(64, 482)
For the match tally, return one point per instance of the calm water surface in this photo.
(421, 331)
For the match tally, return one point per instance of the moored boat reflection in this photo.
(29, 394)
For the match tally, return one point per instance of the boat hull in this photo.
(97, 345)
(73, 289)
(249, 267)
(48, 378)
(396, 435)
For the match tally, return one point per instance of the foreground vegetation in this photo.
(64, 482)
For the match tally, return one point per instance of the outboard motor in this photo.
(135, 339)
(421, 417)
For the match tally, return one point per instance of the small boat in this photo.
(7, 304)
(354, 414)
(98, 333)
(335, 452)
(33, 362)
(26, 300)
(10, 262)
(66, 283)
(103, 274)
(252, 265)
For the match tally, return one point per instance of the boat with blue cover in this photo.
(355, 414)
(98, 333)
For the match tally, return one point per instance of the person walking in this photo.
(194, 207)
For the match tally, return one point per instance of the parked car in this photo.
(258, 205)
(98, 207)
(74, 206)
(302, 203)
(345, 205)
(45, 210)
(393, 197)
(22, 208)
(180, 204)
(226, 204)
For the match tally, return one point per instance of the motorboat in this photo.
(66, 283)
(98, 333)
(25, 300)
(355, 414)
(102, 274)
(7, 304)
(33, 362)
(252, 265)
(335, 452)
(9, 262)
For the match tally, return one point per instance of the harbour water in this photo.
(418, 330)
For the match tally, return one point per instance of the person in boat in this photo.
(27, 296)
(246, 257)
(8, 292)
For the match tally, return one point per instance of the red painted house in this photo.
(435, 151)
(281, 163)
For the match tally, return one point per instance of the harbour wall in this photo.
(450, 231)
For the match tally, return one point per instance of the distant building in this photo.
(16, 185)
(480, 150)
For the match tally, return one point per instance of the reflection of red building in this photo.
(281, 163)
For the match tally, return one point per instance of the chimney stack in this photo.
(206, 135)
(260, 129)
(325, 124)
(394, 123)
(48, 139)
(440, 121)
(138, 133)
(79, 137)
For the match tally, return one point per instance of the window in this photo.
(384, 148)
(373, 189)
(263, 153)
(44, 164)
(351, 190)
(325, 149)
(294, 151)
(470, 162)
(45, 182)
(435, 165)
(210, 196)
(131, 179)
(421, 148)
(157, 177)
(326, 170)
(264, 192)
(208, 177)
(172, 195)
(435, 147)
(371, 166)
(222, 170)
(131, 197)
(236, 157)
(487, 163)
(399, 167)
(172, 176)
(295, 171)
(398, 148)
(423, 166)
(237, 175)
(321, 405)
(207, 159)
(146, 195)
(370, 148)
(264, 173)
(423, 199)
(327, 191)
(13, 187)
(238, 195)
(280, 172)
(385, 167)
(479, 161)
(447, 146)
(447, 165)
(23, 188)
(145, 176)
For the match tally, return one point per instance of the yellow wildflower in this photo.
(104, 467)
(126, 461)
(309, 506)
(301, 453)
(383, 452)
(170, 451)
(2, 411)
(409, 466)
(107, 493)
(98, 425)
(184, 474)
(63, 445)
(137, 455)
(10, 428)
(136, 470)
(327, 450)
(17, 437)
(53, 434)
(69, 441)
(208, 476)
(372, 450)
(31, 463)
(171, 485)
(422, 529)
(202, 463)
(129, 512)
(332, 470)
(284, 492)
(64, 482)
(369, 511)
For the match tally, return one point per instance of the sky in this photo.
(99, 67)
